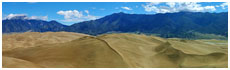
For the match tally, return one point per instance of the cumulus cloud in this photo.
(76, 16)
(70, 14)
(86, 11)
(224, 5)
(126, 8)
(24, 16)
(39, 17)
(171, 4)
(171, 7)
(16, 16)
(210, 8)
(154, 3)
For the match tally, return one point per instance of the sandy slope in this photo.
(10, 62)
(118, 50)
(145, 51)
(31, 39)
(138, 50)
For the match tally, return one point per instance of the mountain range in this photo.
(180, 24)
(23, 25)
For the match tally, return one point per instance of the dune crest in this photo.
(119, 51)
(31, 39)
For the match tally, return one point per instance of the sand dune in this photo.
(145, 51)
(31, 39)
(116, 50)
(10, 62)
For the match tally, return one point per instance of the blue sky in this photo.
(69, 13)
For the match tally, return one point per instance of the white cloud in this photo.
(16, 16)
(154, 3)
(171, 4)
(86, 11)
(91, 17)
(24, 16)
(211, 8)
(224, 5)
(39, 17)
(126, 8)
(76, 16)
(171, 7)
(70, 14)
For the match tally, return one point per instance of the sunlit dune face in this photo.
(71, 50)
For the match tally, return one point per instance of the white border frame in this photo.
(115, 1)
(112, 1)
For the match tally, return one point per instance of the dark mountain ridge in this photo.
(180, 24)
(24, 25)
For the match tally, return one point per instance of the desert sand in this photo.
(75, 50)
(32, 39)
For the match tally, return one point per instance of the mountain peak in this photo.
(22, 17)
(53, 21)
(188, 12)
(120, 13)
